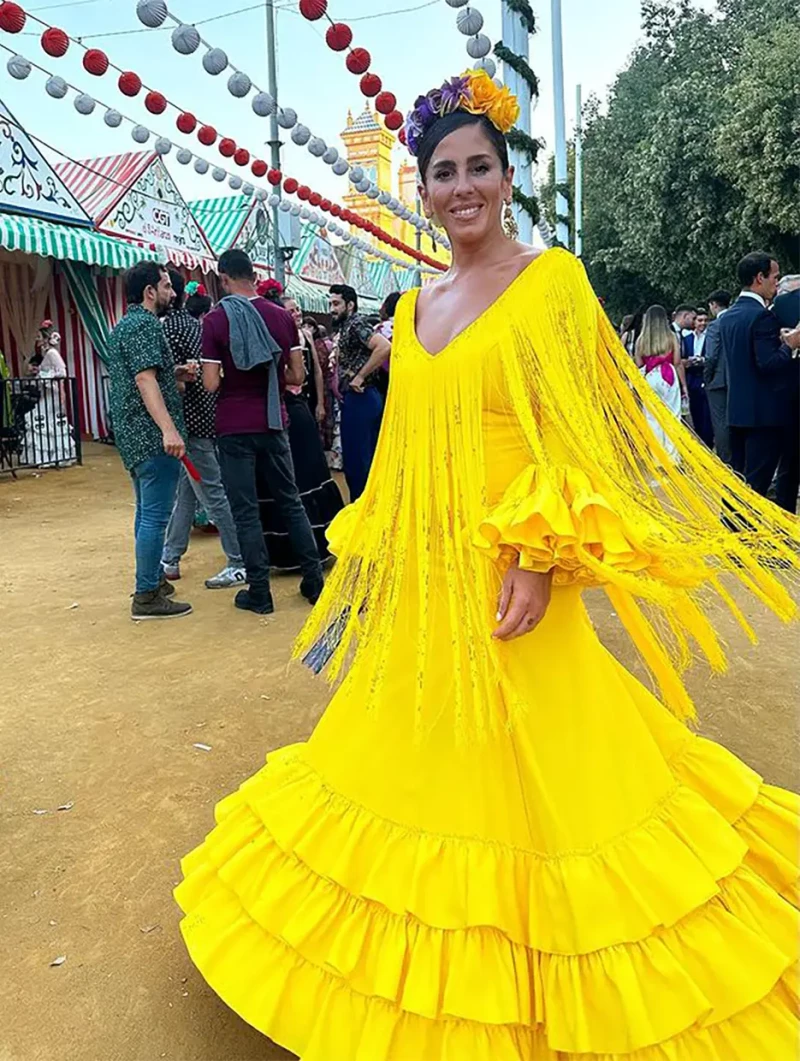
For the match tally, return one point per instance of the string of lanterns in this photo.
(186, 39)
(469, 21)
(55, 42)
(312, 206)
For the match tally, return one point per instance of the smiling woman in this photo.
(498, 845)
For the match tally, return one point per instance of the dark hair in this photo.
(197, 305)
(751, 265)
(702, 311)
(139, 277)
(442, 127)
(685, 307)
(346, 292)
(178, 286)
(390, 304)
(236, 265)
(721, 297)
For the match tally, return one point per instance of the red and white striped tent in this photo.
(134, 197)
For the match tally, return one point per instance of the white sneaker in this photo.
(228, 576)
(172, 572)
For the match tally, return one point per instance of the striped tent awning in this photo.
(312, 298)
(29, 235)
(221, 219)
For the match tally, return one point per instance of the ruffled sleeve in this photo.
(346, 530)
(558, 519)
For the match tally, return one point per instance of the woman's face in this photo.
(297, 314)
(465, 185)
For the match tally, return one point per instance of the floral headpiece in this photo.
(194, 287)
(473, 92)
(269, 288)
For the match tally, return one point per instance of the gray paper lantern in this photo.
(469, 21)
(219, 174)
(340, 167)
(383, 198)
(274, 199)
(185, 39)
(84, 104)
(152, 12)
(200, 166)
(19, 67)
(314, 217)
(317, 146)
(305, 213)
(285, 206)
(235, 182)
(301, 134)
(373, 192)
(287, 118)
(456, 3)
(239, 84)
(356, 174)
(263, 104)
(363, 186)
(295, 210)
(393, 205)
(330, 156)
(262, 195)
(56, 87)
(478, 47)
(140, 134)
(486, 64)
(247, 191)
(163, 145)
(215, 61)
(346, 237)
(112, 118)
(184, 156)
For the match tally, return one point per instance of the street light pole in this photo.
(562, 229)
(274, 141)
(578, 173)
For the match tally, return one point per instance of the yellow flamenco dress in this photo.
(513, 851)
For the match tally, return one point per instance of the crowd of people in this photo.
(242, 409)
(731, 366)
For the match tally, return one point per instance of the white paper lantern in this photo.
(200, 166)
(486, 64)
(393, 204)
(112, 118)
(56, 87)
(301, 134)
(356, 174)
(285, 206)
(163, 145)
(140, 133)
(331, 155)
(151, 12)
(184, 156)
(363, 186)
(287, 118)
(346, 237)
(263, 104)
(235, 182)
(373, 192)
(239, 84)
(340, 167)
(219, 174)
(185, 39)
(317, 146)
(456, 3)
(305, 213)
(262, 195)
(215, 61)
(248, 190)
(314, 217)
(274, 199)
(383, 198)
(19, 67)
(296, 210)
(84, 104)
(469, 21)
(478, 47)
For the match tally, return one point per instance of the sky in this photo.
(412, 50)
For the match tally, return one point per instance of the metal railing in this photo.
(39, 423)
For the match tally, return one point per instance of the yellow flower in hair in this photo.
(504, 110)
(482, 91)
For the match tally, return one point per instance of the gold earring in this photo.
(510, 226)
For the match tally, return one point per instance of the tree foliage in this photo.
(693, 160)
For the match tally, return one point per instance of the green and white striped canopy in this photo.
(221, 219)
(29, 235)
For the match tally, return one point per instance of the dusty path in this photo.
(103, 714)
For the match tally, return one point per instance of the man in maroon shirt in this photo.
(248, 441)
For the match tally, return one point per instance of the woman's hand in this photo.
(523, 602)
(321, 413)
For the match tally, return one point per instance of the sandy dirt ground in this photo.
(101, 715)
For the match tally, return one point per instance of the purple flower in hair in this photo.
(452, 94)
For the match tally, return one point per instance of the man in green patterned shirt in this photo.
(147, 416)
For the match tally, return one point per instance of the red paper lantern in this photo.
(315, 199)
(303, 192)
(95, 62)
(12, 17)
(339, 36)
(325, 204)
(394, 120)
(259, 168)
(187, 123)
(55, 42)
(386, 103)
(290, 185)
(130, 84)
(357, 62)
(155, 102)
(275, 177)
(227, 147)
(313, 9)
(242, 157)
(336, 210)
(207, 135)
(401, 136)
(371, 84)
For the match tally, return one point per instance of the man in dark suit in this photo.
(763, 384)
(693, 353)
(715, 376)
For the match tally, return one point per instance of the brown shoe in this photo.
(154, 605)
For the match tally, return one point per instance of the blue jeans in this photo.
(361, 425)
(202, 452)
(155, 481)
